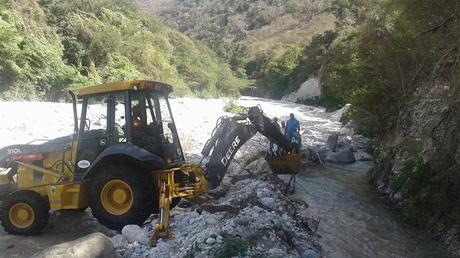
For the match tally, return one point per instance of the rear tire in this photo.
(24, 213)
(122, 195)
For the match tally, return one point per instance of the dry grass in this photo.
(287, 30)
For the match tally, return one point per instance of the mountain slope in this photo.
(260, 24)
(242, 30)
(47, 46)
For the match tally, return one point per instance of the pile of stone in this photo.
(346, 147)
(248, 216)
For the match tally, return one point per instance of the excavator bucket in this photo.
(284, 164)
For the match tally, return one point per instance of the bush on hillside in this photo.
(48, 46)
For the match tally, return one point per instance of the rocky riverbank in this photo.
(247, 216)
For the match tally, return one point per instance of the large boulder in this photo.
(95, 245)
(331, 157)
(346, 156)
(134, 233)
(344, 144)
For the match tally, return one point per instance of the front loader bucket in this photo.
(284, 164)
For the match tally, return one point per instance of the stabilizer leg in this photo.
(162, 227)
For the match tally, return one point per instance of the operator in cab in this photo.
(144, 135)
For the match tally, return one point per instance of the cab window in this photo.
(119, 128)
(166, 122)
(96, 116)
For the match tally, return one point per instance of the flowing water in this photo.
(354, 222)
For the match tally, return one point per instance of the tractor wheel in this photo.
(122, 195)
(24, 213)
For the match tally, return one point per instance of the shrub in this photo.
(232, 107)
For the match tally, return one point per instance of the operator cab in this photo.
(131, 113)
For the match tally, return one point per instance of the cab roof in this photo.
(125, 85)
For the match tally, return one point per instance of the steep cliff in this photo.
(418, 162)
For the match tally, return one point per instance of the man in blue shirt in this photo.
(292, 131)
(292, 126)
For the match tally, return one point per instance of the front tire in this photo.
(122, 195)
(24, 213)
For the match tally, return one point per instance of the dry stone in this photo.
(95, 245)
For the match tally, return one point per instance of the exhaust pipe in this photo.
(75, 118)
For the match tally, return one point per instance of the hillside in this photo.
(242, 31)
(261, 25)
(48, 46)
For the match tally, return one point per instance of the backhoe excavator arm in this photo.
(233, 132)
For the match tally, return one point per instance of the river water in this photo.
(354, 222)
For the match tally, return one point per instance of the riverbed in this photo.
(354, 221)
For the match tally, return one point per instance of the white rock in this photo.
(337, 115)
(308, 90)
(220, 239)
(270, 202)
(276, 253)
(211, 241)
(211, 220)
(134, 233)
(348, 129)
(119, 241)
(95, 245)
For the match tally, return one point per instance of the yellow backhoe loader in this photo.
(124, 160)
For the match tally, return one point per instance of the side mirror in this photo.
(172, 127)
(74, 107)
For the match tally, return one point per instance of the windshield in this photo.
(153, 125)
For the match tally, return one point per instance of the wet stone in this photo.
(310, 254)
(241, 221)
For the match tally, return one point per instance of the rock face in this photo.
(428, 132)
(95, 245)
(310, 89)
